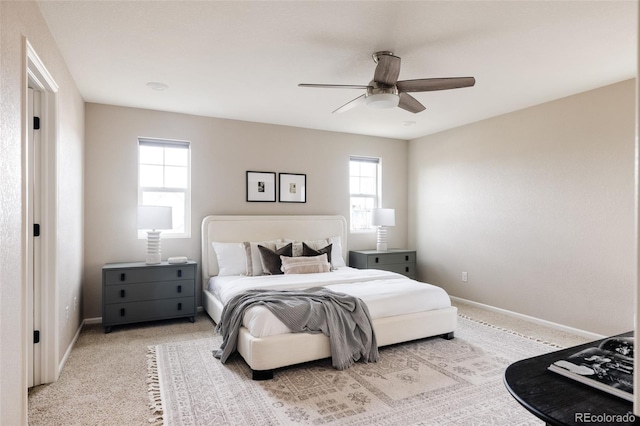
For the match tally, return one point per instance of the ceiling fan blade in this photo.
(430, 84)
(387, 70)
(409, 103)
(333, 86)
(351, 104)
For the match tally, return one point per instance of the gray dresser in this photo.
(136, 292)
(400, 261)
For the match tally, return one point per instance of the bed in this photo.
(266, 348)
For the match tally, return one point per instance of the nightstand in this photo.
(394, 260)
(137, 292)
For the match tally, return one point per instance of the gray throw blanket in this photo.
(345, 319)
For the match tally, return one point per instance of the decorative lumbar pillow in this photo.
(305, 265)
(253, 261)
(309, 251)
(231, 258)
(271, 263)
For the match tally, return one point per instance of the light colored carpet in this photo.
(448, 382)
(104, 379)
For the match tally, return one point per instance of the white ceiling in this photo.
(243, 60)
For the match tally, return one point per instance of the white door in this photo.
(34, 253)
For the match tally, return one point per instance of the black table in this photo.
(559, 400)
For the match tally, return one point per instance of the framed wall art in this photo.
(293, 188)
(261, 186)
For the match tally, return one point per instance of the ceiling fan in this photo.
(385, 91)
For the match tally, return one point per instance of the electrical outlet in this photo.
(75, 304)
(465, 277)
(66, 312)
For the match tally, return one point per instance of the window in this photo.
(364, 189)
(164, 179)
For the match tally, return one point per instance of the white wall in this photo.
(18, 20)
(537, 206)
(221, 151)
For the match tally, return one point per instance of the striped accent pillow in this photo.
(305, 265)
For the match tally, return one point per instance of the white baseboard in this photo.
(69, 348)
(549, 324)
(97, 320)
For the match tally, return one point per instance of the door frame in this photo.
(37, 76)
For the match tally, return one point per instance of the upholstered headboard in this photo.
(232, 229)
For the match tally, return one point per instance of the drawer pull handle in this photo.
(179, 273)
(122, 293)
(376, 260)
(406, 269)
(179, 289)
(122, 276)
(179, 306)
(406, 258)
(122, 312)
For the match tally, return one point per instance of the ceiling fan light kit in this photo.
(385, 91)
(382, 100)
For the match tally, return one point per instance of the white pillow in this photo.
(305, 264)
(337, 261)
(231, 258)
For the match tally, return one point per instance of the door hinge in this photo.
(36, 123)
(36, 336)
(36, 229)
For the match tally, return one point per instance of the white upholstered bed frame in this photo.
(265, 354)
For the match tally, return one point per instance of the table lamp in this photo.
(383, 218)
(153, 219)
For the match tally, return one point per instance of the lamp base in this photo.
(382, 238)
(153, 248)
(153, 259)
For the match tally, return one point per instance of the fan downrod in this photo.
(376, 56)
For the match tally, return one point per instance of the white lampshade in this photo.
(382, 100)
(154, 217)
(383, 217)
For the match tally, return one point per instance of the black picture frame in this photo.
(261, 187)
(293, 188)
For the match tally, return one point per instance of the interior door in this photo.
(34, 213)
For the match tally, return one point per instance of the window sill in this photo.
(363, 231)
(166, 236)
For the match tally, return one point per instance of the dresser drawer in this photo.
(124, 313)
(408, 269)
(119, 293)
(149, 274)
(375, 261)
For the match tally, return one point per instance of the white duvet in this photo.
(385, 293)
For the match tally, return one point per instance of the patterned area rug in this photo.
(426, 382)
